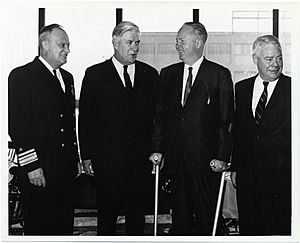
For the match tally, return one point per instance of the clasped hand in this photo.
(157, 159)
(87, 167)
(218, 165)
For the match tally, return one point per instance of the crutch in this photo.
(156, 171)
(219, 203)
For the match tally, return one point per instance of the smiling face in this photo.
(269, 62)
(189, 45)
(56, 48)
(127, 47)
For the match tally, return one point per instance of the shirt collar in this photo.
(47, 64)
(260, 80)
(119, 65)
(196, 65)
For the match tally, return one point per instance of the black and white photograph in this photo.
(150, 121)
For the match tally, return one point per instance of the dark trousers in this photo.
(116, 192)
(49, 210)
(194, 200)
(261, 210)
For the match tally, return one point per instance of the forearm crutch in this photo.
(156, 171)
(218, 203)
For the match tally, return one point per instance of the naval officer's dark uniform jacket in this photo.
(42, 127)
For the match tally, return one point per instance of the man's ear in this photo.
(254, 58)
(45, 45)
(198, 43)
(115, 43)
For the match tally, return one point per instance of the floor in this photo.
(85, 223)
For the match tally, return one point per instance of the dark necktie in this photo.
(261, 103)
(188, 85)
(128, 83)
(57, 79)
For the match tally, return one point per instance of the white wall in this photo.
(89, 26)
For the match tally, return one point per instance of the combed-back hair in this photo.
(264, 40)
(199, 29)
(123, 27)
(46, 31)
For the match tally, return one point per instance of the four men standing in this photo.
(126, 111)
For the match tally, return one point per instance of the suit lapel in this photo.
(138, 75)
(276, 93)
(200, 79)
(46, 77)
(249, 96)
(112, 70)
(178, 83)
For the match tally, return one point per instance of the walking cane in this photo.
(156, 171)
(218, 203)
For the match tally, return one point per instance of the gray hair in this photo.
(199, 29)
(46, 31)
(123, 27)
(264, 40)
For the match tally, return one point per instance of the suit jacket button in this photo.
(258, 137)
(61, 115)
(75, 143)
(62, 130)
(62, 145)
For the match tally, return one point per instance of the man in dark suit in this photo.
(262, 144)
(42, 128)
(193, 116)
(115, 128)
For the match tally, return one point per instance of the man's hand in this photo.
(37, 177)
(233, 178)
(87, 167)
(156, 159)
(218, 165)
(79, 169)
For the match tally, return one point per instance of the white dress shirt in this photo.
(195, 67)
(59, 76)
(258, 89)
(120, 69)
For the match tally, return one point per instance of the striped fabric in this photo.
(188, 85)
(11, 154)
(27, 157)
(261, 103)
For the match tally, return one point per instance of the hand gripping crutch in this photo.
(156, 171)
(219, 203)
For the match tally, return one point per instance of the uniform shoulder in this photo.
(20, 74)
(24, 68)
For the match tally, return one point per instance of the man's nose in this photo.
(178, 45)
(67, 49)
(135, 47)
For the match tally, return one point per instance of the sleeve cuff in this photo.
(27, 161)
